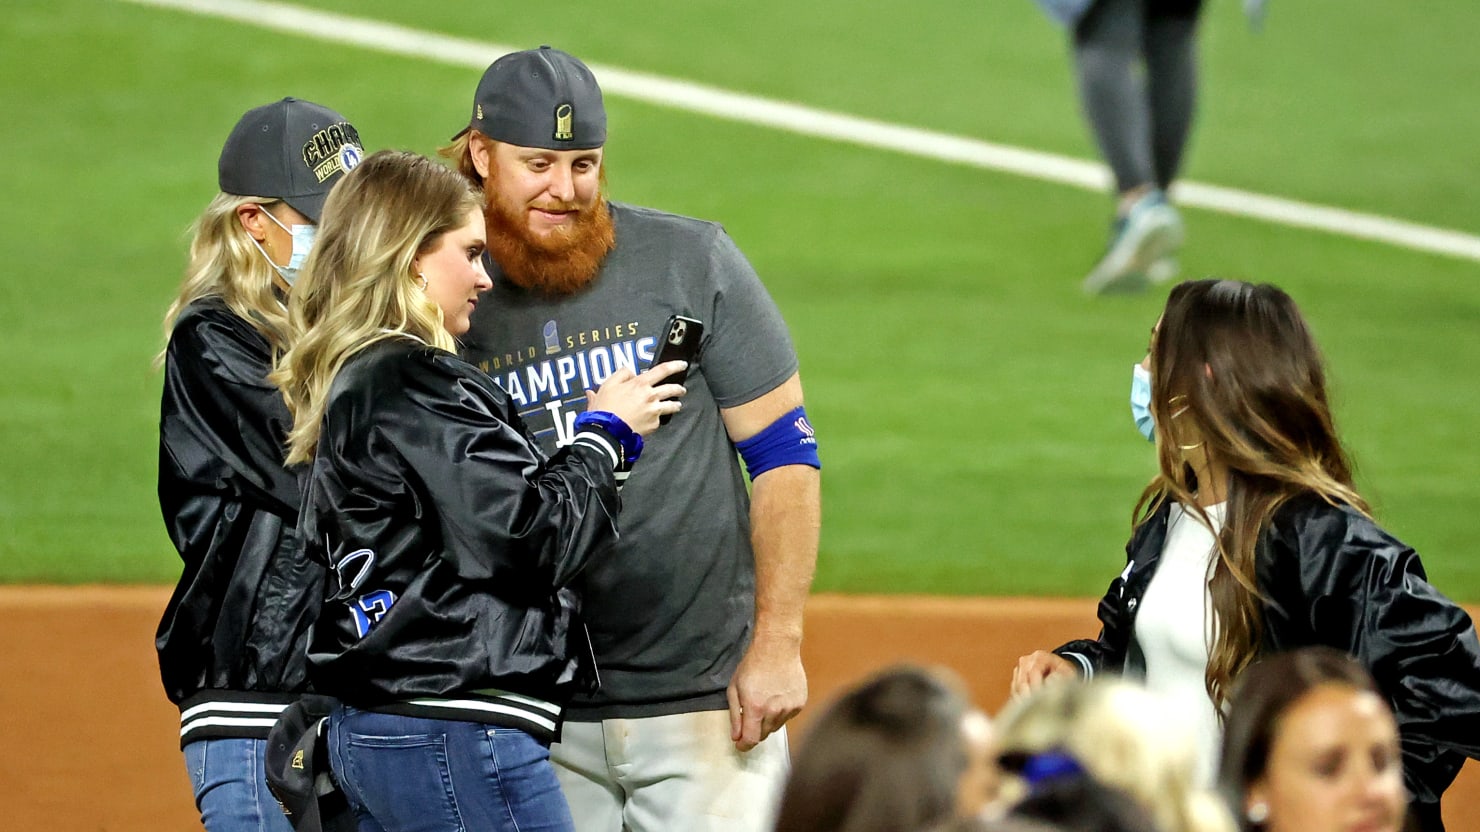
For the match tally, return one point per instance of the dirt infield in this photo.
(90, 745)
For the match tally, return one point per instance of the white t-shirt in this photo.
(1175, 627)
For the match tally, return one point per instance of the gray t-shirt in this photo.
(670, 612)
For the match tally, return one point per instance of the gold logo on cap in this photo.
(480, 112)
(334, 149)
(564, 115)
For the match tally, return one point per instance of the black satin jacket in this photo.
(451, 539)
(1335, 578)
(237, 625)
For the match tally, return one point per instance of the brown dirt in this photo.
(90, 741)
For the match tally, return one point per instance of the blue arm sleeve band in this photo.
(613, 426)
(789, 440)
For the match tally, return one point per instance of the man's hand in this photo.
(768, 688)
(1036, 668)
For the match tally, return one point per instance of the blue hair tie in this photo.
(1049, 766)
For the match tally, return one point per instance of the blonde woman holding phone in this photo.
(451, 631)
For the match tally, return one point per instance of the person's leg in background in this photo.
(1111, 71)
(230, 785)
(1112, 92)
(1171, 77)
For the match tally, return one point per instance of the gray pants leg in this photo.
(1136, 65)
(1171, 75)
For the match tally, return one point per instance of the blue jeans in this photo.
(407, 774)
(231, 787)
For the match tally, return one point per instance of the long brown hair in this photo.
(1237, 362)
(886, 756)
(359, 285)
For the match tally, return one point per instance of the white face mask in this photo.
(303, 237)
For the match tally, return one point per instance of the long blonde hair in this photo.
(225, 263)
(359, 285)
(1243, 368)
(1123, 736)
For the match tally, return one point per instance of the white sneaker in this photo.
(1164, 270)
(1151, 231)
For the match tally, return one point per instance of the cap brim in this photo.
(461, 133)
(311, 206)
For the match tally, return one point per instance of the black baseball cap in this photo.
(296, 767)
(292, 150)
(540, 98)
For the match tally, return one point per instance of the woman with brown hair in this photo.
(1252, 539)
(899, 752)
(1312, 747)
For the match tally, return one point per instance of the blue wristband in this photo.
(612, 425)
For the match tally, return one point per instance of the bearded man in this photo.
(695, 620)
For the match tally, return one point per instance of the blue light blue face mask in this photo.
(303, 237)
(1141, 402)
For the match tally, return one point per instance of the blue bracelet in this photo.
(612, 424)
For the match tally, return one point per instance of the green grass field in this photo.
(970, 401)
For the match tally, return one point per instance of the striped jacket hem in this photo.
(227, 714)
(536, 717)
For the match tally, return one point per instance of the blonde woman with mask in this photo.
(450, 632)
(232, 642)
(1253, 539)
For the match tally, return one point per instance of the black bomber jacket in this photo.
(233, 638)
(1334, 577)
(451, 543)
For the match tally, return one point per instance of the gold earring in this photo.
(1183, 409)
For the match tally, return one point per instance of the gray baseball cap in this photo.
(291, 150)
(540, 98)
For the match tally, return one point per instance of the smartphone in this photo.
(679, 341)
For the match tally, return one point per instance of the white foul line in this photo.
(794, 118)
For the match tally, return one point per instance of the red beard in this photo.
(560, 263)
